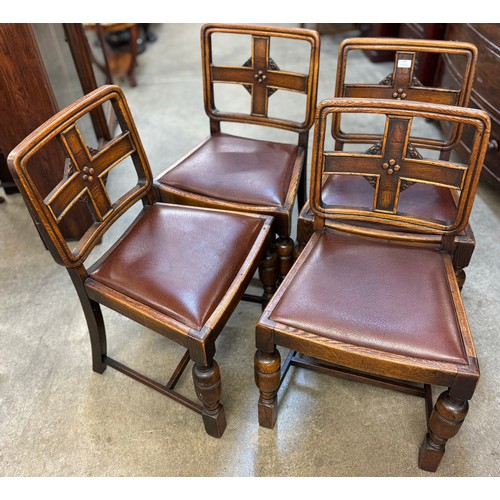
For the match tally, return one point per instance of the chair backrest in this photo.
(84, 176)
(402, 84)
(260, 75)
(393, 165)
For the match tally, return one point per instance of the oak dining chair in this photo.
(176, 270)
(239, 171)
(373, 296)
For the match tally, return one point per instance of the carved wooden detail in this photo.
(402, 84)
(397, 166)
(260, 76)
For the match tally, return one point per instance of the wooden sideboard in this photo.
(27, 99)
(444, 73)
(485, 94)
(425, 64)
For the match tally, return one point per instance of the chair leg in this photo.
(302, 190)
(268, 270)
(95, 321)
(305, 230)
(208, 388)
(297, 250)
(444, 423)
(267, 378)
(460, 275)
(285, 255)
(97, 332)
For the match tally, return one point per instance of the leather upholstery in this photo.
(374, 294)
(236, 169)
(179, 260)
(422, 200)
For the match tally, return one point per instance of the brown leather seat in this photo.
(434, 202)
(240, 170)
(368, 293)
(373, 297)
(183, 277)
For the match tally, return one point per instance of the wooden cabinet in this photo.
(485, 94)
(425, 64)
(379, 30)
(26, 101)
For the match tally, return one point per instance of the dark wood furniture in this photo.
(380, 304)
(116, 63)
(401, 84)
(378, 30)
(82, 58)
(485, 95)
(27, 101)
(425, 62)
(178, 270)
(242, 173)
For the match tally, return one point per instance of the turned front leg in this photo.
(460, 275)
(267, 378)
(285, 255)
(444, 423)
(208, 387)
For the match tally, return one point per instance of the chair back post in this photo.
(85, 173)
(392, 166)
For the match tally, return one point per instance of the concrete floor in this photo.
(58, 418)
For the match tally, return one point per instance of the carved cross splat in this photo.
(259, 77)
(85, 177)
(393, 166)
(402, 85)
(411, 151)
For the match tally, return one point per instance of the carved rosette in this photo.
(69, 170)
(272, 65)
(411, 152)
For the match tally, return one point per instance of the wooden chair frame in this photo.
(84, 175)
(115, 62)
(407, 374)
(262, 77)
(402, 85)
